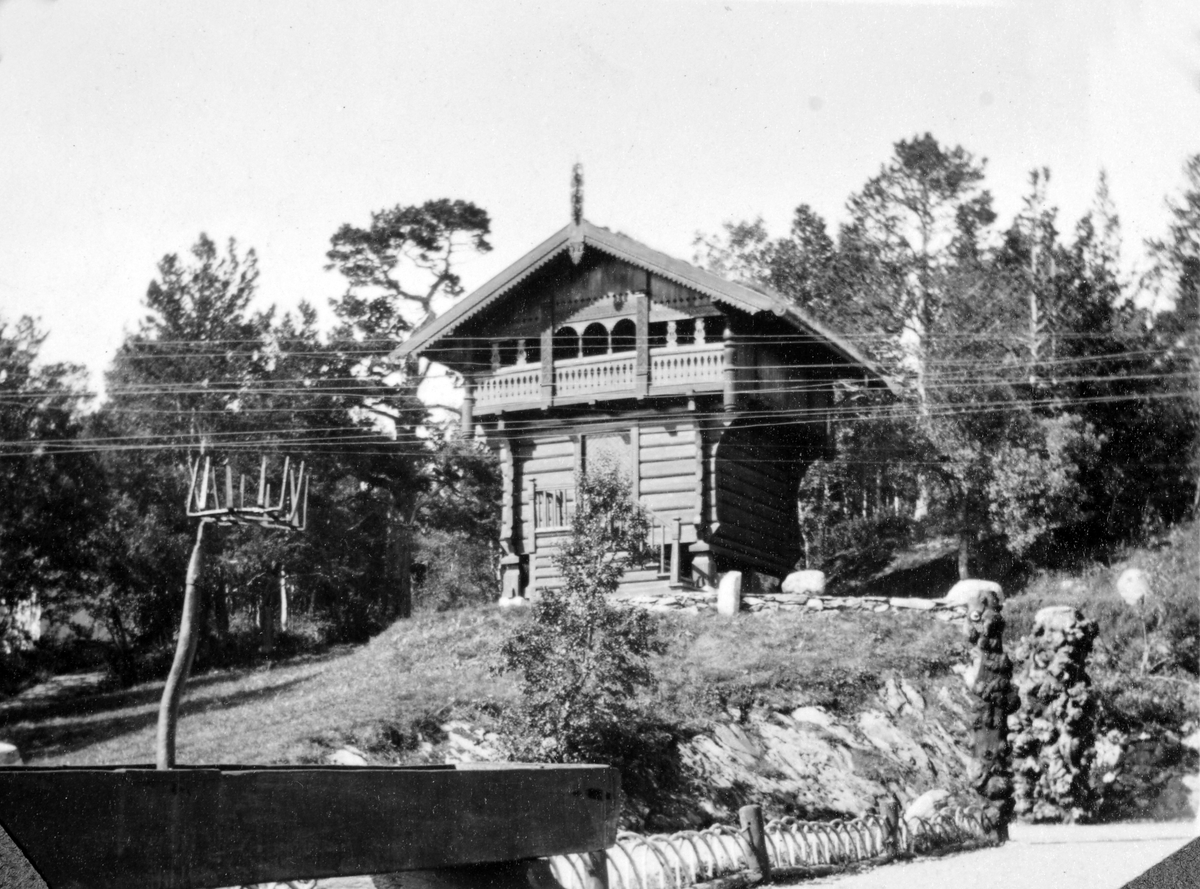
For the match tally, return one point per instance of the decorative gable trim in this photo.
(747, 298)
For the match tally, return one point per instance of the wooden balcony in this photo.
(671, 371)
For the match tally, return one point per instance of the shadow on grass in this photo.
(88, 704)
(60, 739)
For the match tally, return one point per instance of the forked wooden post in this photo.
(168, 708)
(204, 503)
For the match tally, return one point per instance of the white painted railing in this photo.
(602, 375)
(686, 365)
(510, 385)
(599, 374)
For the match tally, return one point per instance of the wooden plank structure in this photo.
(209, 826)
(713, 395)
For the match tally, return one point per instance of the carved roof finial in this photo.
(577, 193)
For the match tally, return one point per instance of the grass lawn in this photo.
(389, 695)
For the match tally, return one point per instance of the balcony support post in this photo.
(547, 350)
(466, 426)
(729, 401)
(642, 345)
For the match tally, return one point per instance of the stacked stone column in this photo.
(1054, 733)
(989, 681)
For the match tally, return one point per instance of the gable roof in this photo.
(749, 298)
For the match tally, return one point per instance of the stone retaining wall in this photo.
(696, 602)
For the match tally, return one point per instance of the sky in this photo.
(128, 127)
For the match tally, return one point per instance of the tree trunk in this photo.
(966, 537)
(185, 650)
(921, 507)
(404, 584)
(267, 609)
(283, 599)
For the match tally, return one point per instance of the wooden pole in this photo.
(751, 820)
(729, 369)
(185, 650)
(889, 812)
(595, 866)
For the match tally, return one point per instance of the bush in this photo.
(582, 661)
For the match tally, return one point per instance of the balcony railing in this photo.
(672, 369)
(686, 366)
(599, 374)
(510, 385)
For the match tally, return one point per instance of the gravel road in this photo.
(1037, 857)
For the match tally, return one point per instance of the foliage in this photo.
(395, 269)
(1036, 395)
(582, 660)
(458, 569)
(49, 497)
(1034, 481)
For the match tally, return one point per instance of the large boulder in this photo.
(963, 592)
(729, 594)
(10, 755)
(1133, 585)
(347, 756)
(927, 804)
(800, 582)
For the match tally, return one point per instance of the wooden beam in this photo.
(230, 825)
(547, 350)
(642, 345)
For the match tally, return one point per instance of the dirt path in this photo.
(1050, 856)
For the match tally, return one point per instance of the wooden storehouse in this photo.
(714, 396)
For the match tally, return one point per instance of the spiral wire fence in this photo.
(691, 857)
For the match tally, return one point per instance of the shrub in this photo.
(581, 661)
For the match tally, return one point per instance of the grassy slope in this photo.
(392, 693)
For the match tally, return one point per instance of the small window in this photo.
(624, 336)
(508, 353)
(595, 340)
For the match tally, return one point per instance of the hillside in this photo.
(810, 712)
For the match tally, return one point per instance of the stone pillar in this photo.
(993, 698)
(1054, 733)
(729, 594)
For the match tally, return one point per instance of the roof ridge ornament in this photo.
(575, 244)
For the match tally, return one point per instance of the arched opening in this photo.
(566, 344)
(595, 339)
(624, 336)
